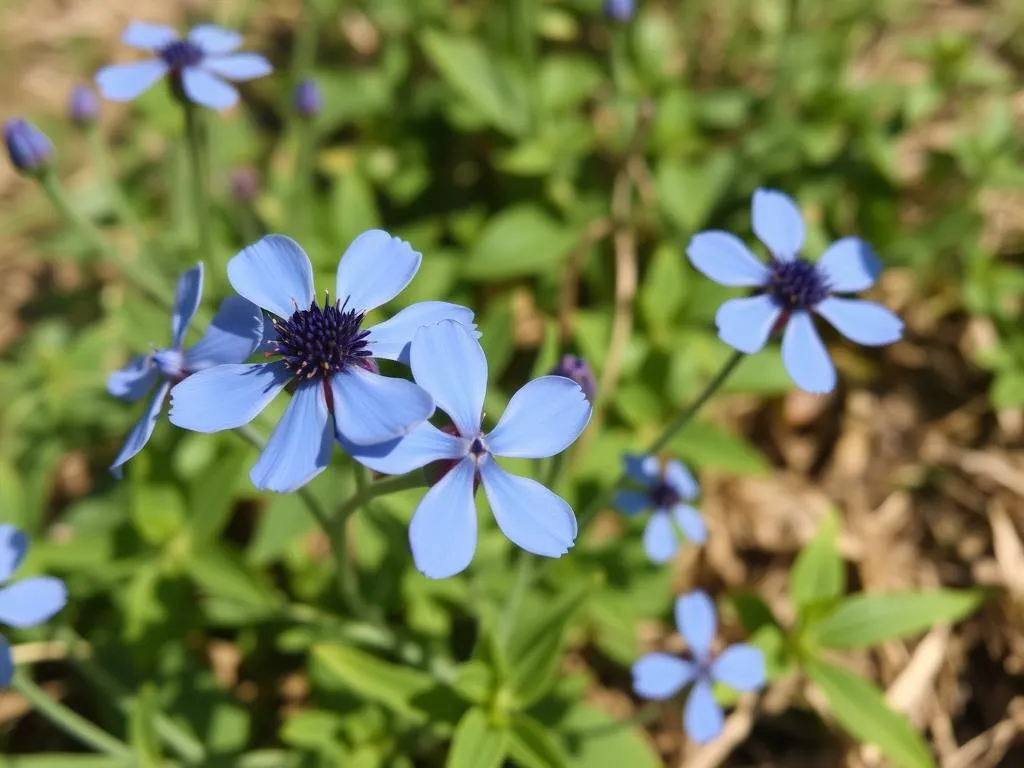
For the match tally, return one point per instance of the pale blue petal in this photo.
(300, 446)
(532, 517)
(31, 601)
(186, 303)
(680, 479)
(423, 445)
(236, 331)
(642, 470)
(148, 37)
(849, 265)
(370, 408)
(123, 82)
(661, 676)
(690, 523)
(543, 418)
(273, 273)
(201, 87)
(864, 322)
(703, 719)
(392, 339)
(449, 363)
(745, 324)
(696, 621)
(238, 66)
(13, 546)
(661, 542)
(778, 223)
(805, 356)
(741, 667)
(143, 429)
(374, 269)
(442, 534)
(6, 663)
(725, 259)
(213, 39)
(132, 382)
(631, 502)
(226, 396)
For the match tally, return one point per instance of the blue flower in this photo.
(83, 107)
(308, 98)
(198, 64)
(791, 288)
(665, 490)
(542, 419)
(576, 368)
(28, 602)
(324, 353)
(662, 676)
(29, 148)
(236, 330)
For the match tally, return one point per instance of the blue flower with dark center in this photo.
(321, 341)
(197, 65)
(791, 288)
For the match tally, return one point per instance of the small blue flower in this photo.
(236, 330)
(542, 419)
(661, 675)
(29, 148)
(324, 353)
(665, 490)
(198, 63)
(308, 98)
(83, 106)
(791, 288)
(619, 10)
(576, 368)
(28, 602)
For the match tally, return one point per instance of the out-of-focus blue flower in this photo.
(236, 331)
(83, 106)
(25, 603)
(576, 368)
(791, 287)
(542, 419)
(324, 353)
(665, 490)
(662, 676)
(29, 148)
(619, 10)
(199, 63)
(308, 98)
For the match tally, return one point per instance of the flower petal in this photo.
(6, 663)
(186, 303)
(31, 601)
(690, 523)
(143, 429)
(370, 408)
(148, 37)
(13, 546)
(449, 363)
(392, 339)
(207, 89)
(226, 396)
(642, 470)
(123, 82)
(660, 539)
(631, 502)
(864, 322)
(375, 268)
(213, 39)
(724, 258)
(745, 324)
(132, 382)
(778, 223)
(805, 357)
(543, 418)
(696, 621)
(682, 482)
(442, 534)
(702, 717)
(423, 445)
(661, 676)
(849, 265)
(273, 273)
(300, 446)
(236, 330)
(532, 517)
(740, 666)
(238, 66)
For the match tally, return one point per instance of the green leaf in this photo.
(664, 286)
(223, 574)
(864, 620)
(355, 208)
(688, 193)
(140, 727)
(601, 741)
(521, 240)
(708, 445)
(212, 494)
(477, 743)
(818, 575)
(861, 710)
(532, 745)
(158, 511)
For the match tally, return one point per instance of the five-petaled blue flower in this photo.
(793, 287)
(198, 64)
(662, 676)
(542, 419)
(665, 490)
(26, 603)
(325, 355)
(236, 331)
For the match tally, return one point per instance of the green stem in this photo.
(302, 197)
(200, 200)
(70, 722)
(304, 54)
(101, 161)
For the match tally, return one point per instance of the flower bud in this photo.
(83, 107)
(619, 10)
(576, 368)
(308, 99)
(29, 148)
(244, 184)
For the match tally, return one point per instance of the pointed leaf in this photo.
(533, 746)
(818, 574)
(477, 742)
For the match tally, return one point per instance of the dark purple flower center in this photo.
(181, 54)
(796, 283)
(321, 341)
(477, 447)
(664, 496)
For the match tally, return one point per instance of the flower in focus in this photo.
(199, 64)
(619, 10)
(323, 352)
(665, 490)
(662, 676)
(542, 419)
(29, 148)
(26, 603)
(83, 106)
(308, 98)
(576, 368)
(236, 330)
(791, 287)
